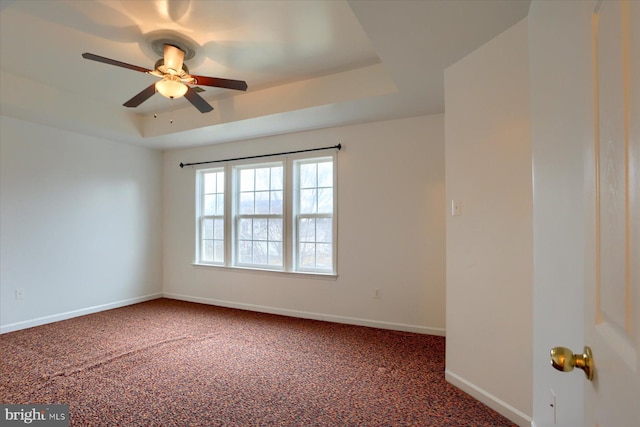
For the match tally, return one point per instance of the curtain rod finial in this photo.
(339, 147)
(182, 165)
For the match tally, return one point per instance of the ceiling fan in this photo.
(175, 79)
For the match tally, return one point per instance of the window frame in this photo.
(298, 215)
(290, 248)
(201, 217)
(237, 216)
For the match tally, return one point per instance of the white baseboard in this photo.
(503, 408)
(251, 307)
(75, 313)
(311, 315)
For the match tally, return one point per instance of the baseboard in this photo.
(503, 408)
(75, 313)
(311, 315)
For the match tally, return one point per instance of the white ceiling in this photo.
(309, 64)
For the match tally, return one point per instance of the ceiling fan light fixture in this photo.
(171, 87)
(174, 74)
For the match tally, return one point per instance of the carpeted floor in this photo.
(174, 363)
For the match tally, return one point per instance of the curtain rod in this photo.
(339, 146)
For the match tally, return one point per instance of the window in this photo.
(314, 214)
(270, 216)
(259, 227)
(212, 219)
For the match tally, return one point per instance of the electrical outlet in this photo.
(19, 293)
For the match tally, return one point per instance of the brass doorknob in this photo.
(564, 360)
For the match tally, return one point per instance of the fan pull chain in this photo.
(155, 105)
(171, 120)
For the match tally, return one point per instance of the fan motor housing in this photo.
(160, 63)
(158, 47)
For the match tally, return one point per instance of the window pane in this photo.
(307, 230)
(308, 173)
(276, 202)
(207, 229)
(207, 250)
(260, 229)
(209, 205)
(246, 179)
(218, 229)
(246, 203)
(218, 251)
(325, 174)
(275, 253)
(244, 252)
(307, 255)
(324, 232)
(210, 182)
(323, 255)
(275, 229)
(262, 202)
(325, 200)
(245, 229)
(262, 179)
(220, 182)
(308, 200)
(260, 252)
(219, 204)
(276, 178)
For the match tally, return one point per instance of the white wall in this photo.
(560, 67)
(391, 232)
(80, 224)
(489, 246)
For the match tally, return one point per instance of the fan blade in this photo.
(223, 83)
(173, 58)
(197, 101)
(109, 61)
(141, 97)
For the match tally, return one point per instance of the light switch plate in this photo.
(456, 208)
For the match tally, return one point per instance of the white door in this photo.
(612, 303)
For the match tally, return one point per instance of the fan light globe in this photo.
(171, 88)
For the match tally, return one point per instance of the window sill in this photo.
(305, 275)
